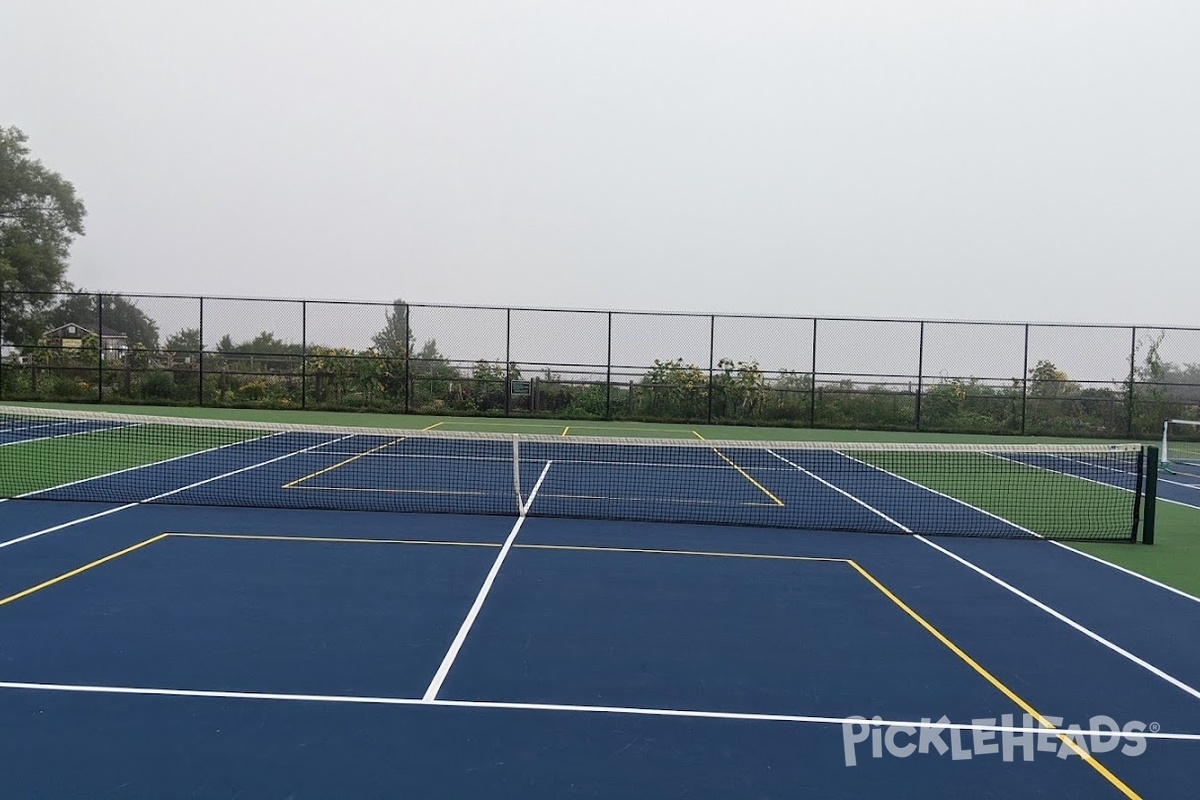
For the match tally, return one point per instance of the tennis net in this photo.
(1013, 490)
(1181, 442)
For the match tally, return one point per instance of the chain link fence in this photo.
(970, 377)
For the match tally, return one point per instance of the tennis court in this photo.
(246, 609)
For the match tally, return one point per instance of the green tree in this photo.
(1047, 380)
(120, 314)
(185, 340)
(396, 338)
(39, 218)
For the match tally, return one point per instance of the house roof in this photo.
(105, 331)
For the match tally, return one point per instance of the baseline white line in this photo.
(1146, 665)
(448, 660)
(161, 495)
(564, 707)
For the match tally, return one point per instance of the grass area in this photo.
(41, 464)
(1174, 559)
(1054, 505)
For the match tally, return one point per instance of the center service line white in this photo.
(105, 513)
(439, 677)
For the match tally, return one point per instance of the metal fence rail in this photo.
(935, 375)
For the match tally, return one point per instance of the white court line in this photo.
(161, 495)
(1002, 457)
(448, 661)
(1146, 665)
(841, 491)
(1066, 620)
(585, 709)
(27, 495)
(1127, 571)
(1107, 563)
(72, 433)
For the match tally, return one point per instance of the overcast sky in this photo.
(903, 158)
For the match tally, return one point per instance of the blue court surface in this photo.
(222, 650)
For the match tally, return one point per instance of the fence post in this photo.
(1132, 377)
(812, 389)
(508, 362)
(920, 371)
(407, 358)
(608, 373)
(712, 342)
(1025, 380)
(303, 354)
(200, 355)
(2, 332)
(100, 348)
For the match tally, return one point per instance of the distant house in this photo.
(114, 344)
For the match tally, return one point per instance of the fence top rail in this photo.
(809, 318)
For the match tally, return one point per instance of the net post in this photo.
(516, 461)
(1150, 495)
(1165, 454)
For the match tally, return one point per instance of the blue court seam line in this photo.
(741, 471)
(623, 710)
(1088, 758)
(293, 484)
(161, 495)
(1028, 598)
(64, 435)
(443, 669)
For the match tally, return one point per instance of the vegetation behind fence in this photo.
(933, 375)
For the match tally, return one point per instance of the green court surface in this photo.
(98, 452)
(1174, 559)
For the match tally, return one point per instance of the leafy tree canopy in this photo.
(119, 314)
(39, 218)
(395, 338)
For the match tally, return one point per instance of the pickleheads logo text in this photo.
(990, 737)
